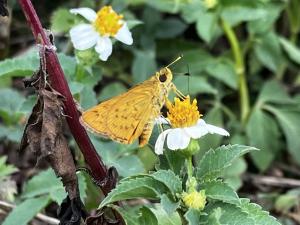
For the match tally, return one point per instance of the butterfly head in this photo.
(164, 76)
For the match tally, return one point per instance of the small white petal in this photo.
(177, 139)
(197, 131)
(216, 130)
(87, 13)
(104, 48)
(124, 35)
(161, 120)
(83, 36)
(159, 144)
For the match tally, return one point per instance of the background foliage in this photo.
(243, 57)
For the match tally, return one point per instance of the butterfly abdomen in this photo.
(146, 133)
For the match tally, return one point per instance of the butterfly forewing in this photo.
(124, 117)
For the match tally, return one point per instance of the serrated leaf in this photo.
(207, 26)
(170, 28)
(256, 213)
(214, 217)
(129, 165)
(43, 183)
(214, 161)
(23, 65)
(130, 215)
(230, 214)
(289, 123)
(266, 138)
(292, 51)
(168, 205)
(62, 20)
(192, 216)
(147, 217)
(274, 92)
(135, 187)
(166, 219)
(24, 212)
(143, 66)
(218, 190)
(268, 51)
(169, 178)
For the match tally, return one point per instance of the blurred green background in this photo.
(243, 57)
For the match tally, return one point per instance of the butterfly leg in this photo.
(177, 92)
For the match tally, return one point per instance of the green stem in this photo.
(189, 161)
(240, 70)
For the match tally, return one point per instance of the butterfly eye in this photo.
(162, 78)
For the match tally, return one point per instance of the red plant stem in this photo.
(60, 84)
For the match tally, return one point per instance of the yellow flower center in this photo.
(194, 199)
(108, 22)
(183, 113)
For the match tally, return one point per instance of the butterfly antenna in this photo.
(178, 58)
(188, 74)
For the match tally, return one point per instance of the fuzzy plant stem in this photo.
(59, 83)
(240, 70)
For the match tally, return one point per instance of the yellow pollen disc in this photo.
(183, 113)
(108, 22)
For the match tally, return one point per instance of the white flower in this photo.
(104, 24)
(184, 118)
(179, 138)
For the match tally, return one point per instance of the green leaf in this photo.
(6, 169)
(135, 187)
(194, 85)
(147, 217)
(43, 183)
(130, 214)
(214, 217)
(207, 26)
(256, 213)
(273, 92)
(170, 6)
(170, 28)
(12, 133)
(240, 13)
(260, 26)
(172, 160)
(218, 190)
(143, 66)
(128, 165)
(24, 212)
(10, 105)
(111, 90)
(166, 219)
(267, 50)
(62, 20)
(23, 65)
(292, 51)
(289, 123)
(223, 70)
(266, 138)
(169, 178)
(228, 214)
(215, 161)
(190, 11)
(168, 205)
(192, 216)
(232, 174)
(88, 98)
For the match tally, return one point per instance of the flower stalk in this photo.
(59, 83)
(240, 70)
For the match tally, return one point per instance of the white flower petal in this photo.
(159, 144)
(161, 120)
(216, 130)
(124, 35)
(104, 48)
(177, 139)
(83, 36)
(87, 13)
(197, 131)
